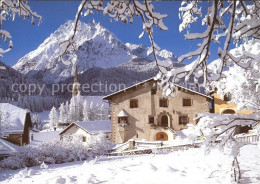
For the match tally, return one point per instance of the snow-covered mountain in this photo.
(146, 52)
(97, 47)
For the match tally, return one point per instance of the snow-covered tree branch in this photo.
(11, 9)
(218, 130)
(242, 84)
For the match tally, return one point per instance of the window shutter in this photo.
(191, 101)
(188, 119)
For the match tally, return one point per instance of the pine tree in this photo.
(62, 118)
(72, 110)
(67, 109)
(91, 112)
(80, 104)
(85, 111)
(53, 117)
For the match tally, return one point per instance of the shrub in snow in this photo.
(56, 152)
(218, 131)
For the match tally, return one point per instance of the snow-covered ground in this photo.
(190, 166)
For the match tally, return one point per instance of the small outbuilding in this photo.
(86, 129)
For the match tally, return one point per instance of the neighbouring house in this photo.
(140, 112)
(16, 124)
(222, 105)
(86, 129)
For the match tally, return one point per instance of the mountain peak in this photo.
(97, 47)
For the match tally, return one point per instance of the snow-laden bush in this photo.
(57, 152)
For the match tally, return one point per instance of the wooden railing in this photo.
(140, 147)
(248, 138)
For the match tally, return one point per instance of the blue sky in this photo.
(27, 37)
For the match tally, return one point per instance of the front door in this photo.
(161, 136)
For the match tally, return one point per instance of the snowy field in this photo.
(180, 167)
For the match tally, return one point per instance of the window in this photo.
(133, 103)
(187, 102)
(227, 97)
(151, 120)
(122, 120)
(153, 91)
(163, 102)
(84, 139)
(183, 120)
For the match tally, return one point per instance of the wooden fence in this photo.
(133, 147)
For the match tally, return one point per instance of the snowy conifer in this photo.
(62, 117)
(53, 117)
(85, 111)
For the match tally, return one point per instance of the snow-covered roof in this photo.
(148, 80)
(123, 90)
(122, 113)
(92, 127)
(7, 148)
(15, 117)
(2, 68)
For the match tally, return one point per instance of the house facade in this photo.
(222, 105)
(16, 124)
(140, 112)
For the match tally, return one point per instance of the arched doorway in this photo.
(228, 111)
(164, 120)
(161, 136)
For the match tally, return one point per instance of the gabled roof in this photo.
(148, 80)
(92, 127)
(122, 113)
(7, 148)
(15, 118)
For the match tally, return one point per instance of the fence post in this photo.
(131, 143)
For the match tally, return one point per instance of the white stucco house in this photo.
(86, 129)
